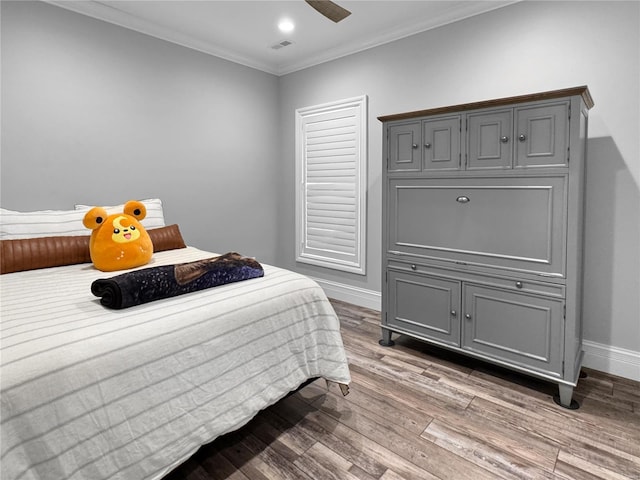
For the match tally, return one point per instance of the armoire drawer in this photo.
(517, 284)
(514, 223)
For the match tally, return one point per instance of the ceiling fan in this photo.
(329, 9)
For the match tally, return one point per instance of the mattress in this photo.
(88, 392)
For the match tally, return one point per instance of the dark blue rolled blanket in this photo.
(155, 283)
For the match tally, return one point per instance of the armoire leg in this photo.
(386, 338)
(564, 399)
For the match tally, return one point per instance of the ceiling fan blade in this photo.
(329, 9)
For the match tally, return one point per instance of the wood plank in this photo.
(257, 460)
(219, 468)
(391, 475)
(433, 389)
(322, 462)
(613, 472)
(507, 439)
(385, 407)
(287, 444)
(358, 445)
(622, 429)
(295, 408)
(425, 454)
(571, 472)
(500, 461)
(554, 434)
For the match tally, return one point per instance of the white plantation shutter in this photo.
(331, 159)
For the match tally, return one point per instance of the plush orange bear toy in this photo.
(118, 241)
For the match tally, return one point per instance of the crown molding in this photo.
(101, 10)
(462, 12)
(104, 12)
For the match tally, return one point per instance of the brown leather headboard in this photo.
(166, 238)
(45, 252)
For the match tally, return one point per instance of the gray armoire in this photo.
(483, 231)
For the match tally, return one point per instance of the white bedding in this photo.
(88, 392)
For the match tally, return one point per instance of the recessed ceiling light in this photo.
(286, 25)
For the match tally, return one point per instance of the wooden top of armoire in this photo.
(583, 91)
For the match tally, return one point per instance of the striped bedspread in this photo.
(88, 392)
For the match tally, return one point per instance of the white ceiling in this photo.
(244, 31)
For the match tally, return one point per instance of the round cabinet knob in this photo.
(468, 316)
(462, 199)
(413, 267)
(427, 145)
(522, 137)
(453, 313)
(504, 139)
(518, 284)
(415, 145)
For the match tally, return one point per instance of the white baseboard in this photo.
(355, 295)
(605, 358)
(613, 360)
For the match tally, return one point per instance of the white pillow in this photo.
(154, 218)
(43, 223)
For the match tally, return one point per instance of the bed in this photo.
(91, 392)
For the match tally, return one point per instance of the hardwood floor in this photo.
(415, 412)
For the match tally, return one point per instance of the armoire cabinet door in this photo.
(519, 329)
(424, 306)
(541, 135)
(489, 139)
(441, 138)
(405, 148)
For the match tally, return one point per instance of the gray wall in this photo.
(97, 114)
(523, 48)
(93, 113)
